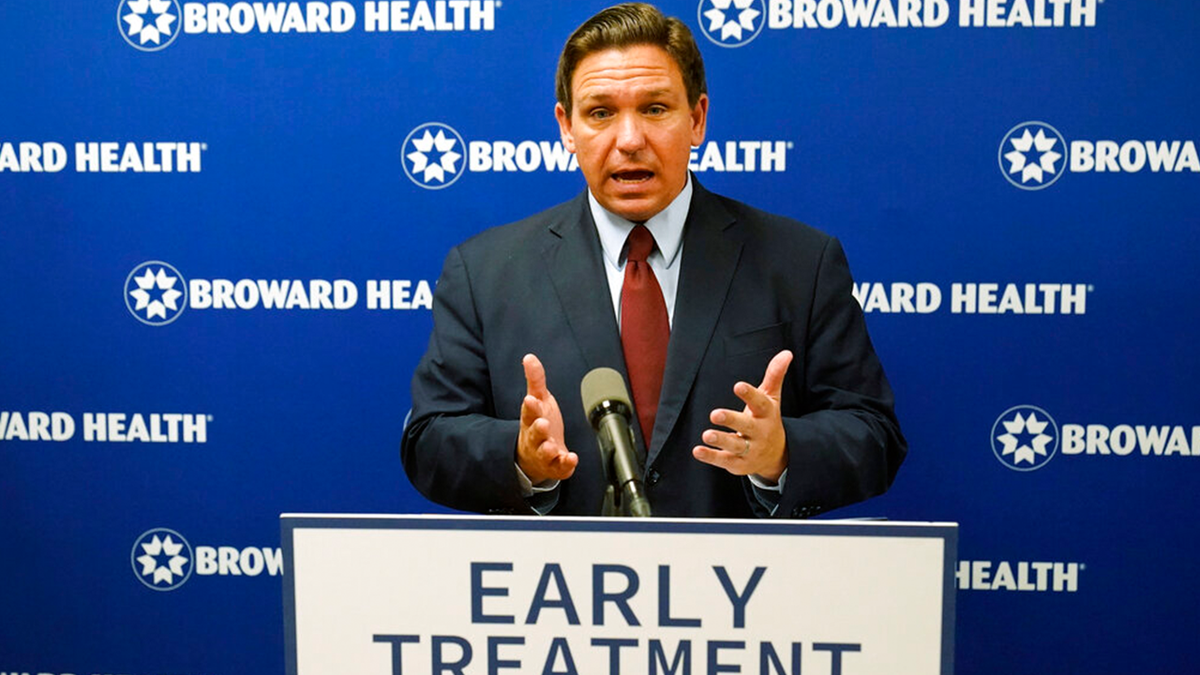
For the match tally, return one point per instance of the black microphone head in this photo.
(603, 389)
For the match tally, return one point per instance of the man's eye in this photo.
(600, 114)
(656, 110)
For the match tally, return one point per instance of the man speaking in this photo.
(755, 388)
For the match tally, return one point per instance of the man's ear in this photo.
(699, 120)
(564, 127)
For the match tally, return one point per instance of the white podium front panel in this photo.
(385, 595)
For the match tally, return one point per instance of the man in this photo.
(691, 296)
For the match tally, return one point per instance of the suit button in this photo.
(805, 511)
(653, 477)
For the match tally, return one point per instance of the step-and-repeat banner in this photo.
(221, 223)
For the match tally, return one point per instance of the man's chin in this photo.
(637, 215)
(637, 209)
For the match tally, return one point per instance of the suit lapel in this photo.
(577, 272)
(712, 246)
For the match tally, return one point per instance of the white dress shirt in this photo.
(667, 228)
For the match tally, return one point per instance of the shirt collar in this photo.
(666, 226)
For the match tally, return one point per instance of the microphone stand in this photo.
(625, 492)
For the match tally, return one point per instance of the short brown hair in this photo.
(628, 25)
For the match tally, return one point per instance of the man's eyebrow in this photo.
(603, 96)
(596, 97)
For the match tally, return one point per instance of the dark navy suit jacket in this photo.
(751, 284)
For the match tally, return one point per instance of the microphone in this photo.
(606, 404)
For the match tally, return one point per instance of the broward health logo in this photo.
(162, 559)
(1025, 438)
(155, 293)
(149, 25)
(1032, 155)
(433, 155)
(730, 23)
(152, 25)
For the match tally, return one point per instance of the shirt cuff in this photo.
(768, 495)
(528, 489)
(757, 481)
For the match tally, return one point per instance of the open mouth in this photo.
(633, 177)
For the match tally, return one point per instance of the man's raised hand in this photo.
(541, 450)
(757, 443)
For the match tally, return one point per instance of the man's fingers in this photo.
(719, 459)
(559, 463)
(757, 401)
(772, 382)
(531, 409)
(540, 447)
(539, 432)
(540, 451)
(738, 421)
(535, 376)
(563, 465)
(723, 440)
(757, 443)
(546, 458)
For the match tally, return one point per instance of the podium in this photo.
(386, 595)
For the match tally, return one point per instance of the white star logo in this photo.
(433, 151)
(1019, 156)
(167, 548)
(155, 293)
(1032, 161)
(161, 559)
(149, 25)
(731, 29)
(420, 157)
(162, 282)
(1025, 451)
(1024, 438)
(730, 23)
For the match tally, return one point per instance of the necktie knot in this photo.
(641, 243)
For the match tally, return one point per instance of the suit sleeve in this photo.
(456, 450)
(845, 445)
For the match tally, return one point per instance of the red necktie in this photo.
(645, 329)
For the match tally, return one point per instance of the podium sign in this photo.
(385, 595)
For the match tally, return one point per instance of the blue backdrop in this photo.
(1016, 185)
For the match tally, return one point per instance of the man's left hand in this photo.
(757, 444)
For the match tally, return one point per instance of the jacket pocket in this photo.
(773, 338)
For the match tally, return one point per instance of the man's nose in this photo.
(630, 135)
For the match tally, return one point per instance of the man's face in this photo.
(631, 128)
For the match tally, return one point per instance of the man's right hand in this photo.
(541, 451)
